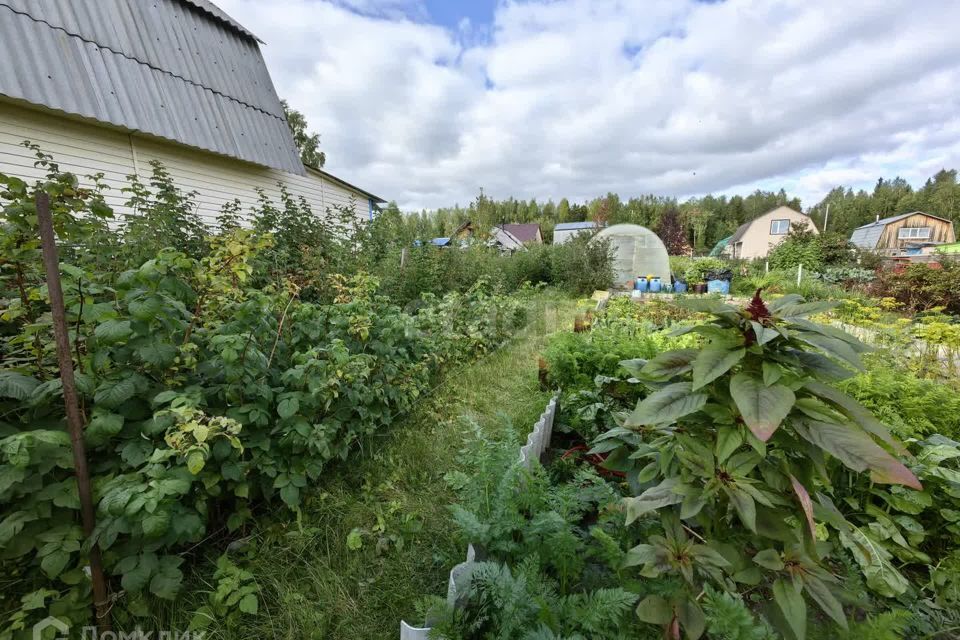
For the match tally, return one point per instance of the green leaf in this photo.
(745, 506)
(355, 540)
(763, 334)
(112, 331)
(822, 366)
(763, 408)
(858, 451)
(640, 554)
(195, 462)
(146, 308)
(113, 393)
(288, 407)
(666, 405)
(832, 346)
(874, 561)
(790, 601)
(156, 524)
(729, 440)
(857, 412)
(158, 354)
(805, 503)
(713, 362)
(669, 364)
(290, 494)
(54, 563)
(828, 602)
(137, 571)
(248, 604)
(16, 385)
(692, 620)
(654, 498)
(655, 610)
(103, 426)
(769, 559)
(771, 372)
(792, 310)
(166, 582)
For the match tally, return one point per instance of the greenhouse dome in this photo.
(637, 251)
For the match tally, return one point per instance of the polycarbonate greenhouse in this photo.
(637, 252)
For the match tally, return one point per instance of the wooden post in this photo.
(799, 273)
(51, 263)
(403, 257)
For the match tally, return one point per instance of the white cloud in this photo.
(579, 97)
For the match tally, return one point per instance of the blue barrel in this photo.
(641, 285)
(718, 286)
(680, 287)
(654, 285)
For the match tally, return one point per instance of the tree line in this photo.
(697, 223)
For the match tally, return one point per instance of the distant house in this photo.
(908, 234)
(528, 233)
(505, 241)
(109, 87)
(564, 231)
(756, 238)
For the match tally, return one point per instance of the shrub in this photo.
(920, 287)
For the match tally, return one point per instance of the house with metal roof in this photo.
(755, 239)
(907, 234)
(108, 86)
(527, 233)
(565, 231)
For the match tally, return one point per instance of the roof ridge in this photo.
(139, 61)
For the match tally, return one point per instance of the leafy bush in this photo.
(920, 287)
(209, 386)
(734, 448)
(912, 406)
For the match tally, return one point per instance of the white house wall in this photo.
(86, 149)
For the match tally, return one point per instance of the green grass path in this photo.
(394, 496)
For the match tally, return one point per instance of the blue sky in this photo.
(575, 98)
(449, 14)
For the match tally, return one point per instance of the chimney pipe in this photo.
(878, 219)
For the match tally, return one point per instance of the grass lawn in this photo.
(394, 499)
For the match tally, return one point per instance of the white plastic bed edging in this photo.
(537, 442)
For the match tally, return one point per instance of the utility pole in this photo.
(51, 263)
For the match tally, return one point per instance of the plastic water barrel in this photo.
(680, 287)
(718, 286)
(654, 285)
(641, 285)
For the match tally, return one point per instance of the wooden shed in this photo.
(904, 235)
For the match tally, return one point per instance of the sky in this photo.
(427, 101)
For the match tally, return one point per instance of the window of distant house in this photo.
(779, 227)
(913, 233)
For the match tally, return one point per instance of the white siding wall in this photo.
(86, 149)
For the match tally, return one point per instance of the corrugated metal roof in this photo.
(866, 237)
(220, 14)
(886, 221)
(525, 231)
(162, 67)
(573, 226)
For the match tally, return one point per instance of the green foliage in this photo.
(736, 447)
(919, 287)
(801, 246)
(209, 384)
(307, 142)
(913, 407)
(728, 618)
